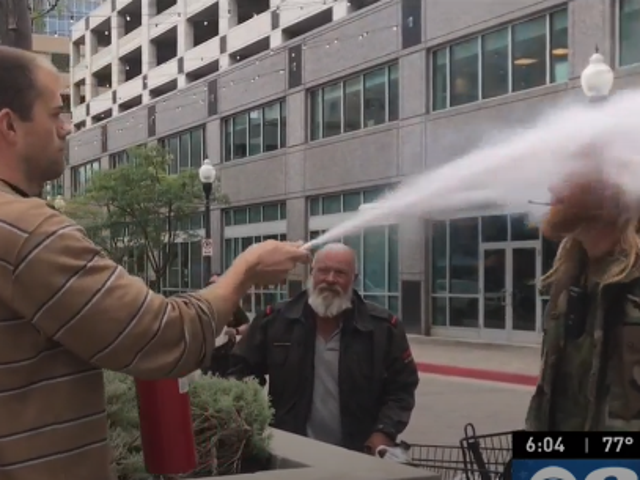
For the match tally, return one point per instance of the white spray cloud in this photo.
(521, 168)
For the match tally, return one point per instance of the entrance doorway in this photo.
(510, 307)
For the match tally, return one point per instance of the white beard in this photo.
(327, 304)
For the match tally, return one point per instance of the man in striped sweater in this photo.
(67, 311)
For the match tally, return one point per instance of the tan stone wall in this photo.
(46, 45)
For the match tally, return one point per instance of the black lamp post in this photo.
(207, 174)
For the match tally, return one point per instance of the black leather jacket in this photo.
(377, 374)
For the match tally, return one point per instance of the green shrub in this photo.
(231, 420)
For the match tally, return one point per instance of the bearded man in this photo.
(591, 349)
(340, 369)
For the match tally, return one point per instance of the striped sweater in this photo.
(66, 313)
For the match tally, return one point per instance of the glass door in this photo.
(494, 288)
(510, 309)
(524, 290)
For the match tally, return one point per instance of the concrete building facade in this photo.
(56, 49)
(305, 132)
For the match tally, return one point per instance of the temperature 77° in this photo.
(615, 444)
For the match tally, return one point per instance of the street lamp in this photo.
(59, 204)
(207, 174)
(597, 79)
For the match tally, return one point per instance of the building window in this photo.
(343, 202)
(61, 61)
(54, 188)
(254, 132)
(191, 223)
(363, 101)
(518, 57)
(81, 176)
(272, 212)
(629, 32)
(244, 226)
(135, 262)
(185, 273)
(258, 298)
(66, 102)
(478, 262)
(187, 149)
(118, 159)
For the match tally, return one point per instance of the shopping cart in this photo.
(476, 457)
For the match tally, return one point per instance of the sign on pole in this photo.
(207, 247)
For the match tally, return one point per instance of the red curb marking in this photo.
(478, 374)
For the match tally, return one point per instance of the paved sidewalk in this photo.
(511, 364)
(445, 404)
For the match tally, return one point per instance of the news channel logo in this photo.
(576, 470)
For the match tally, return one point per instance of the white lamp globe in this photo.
(597, 79)
(207, 172)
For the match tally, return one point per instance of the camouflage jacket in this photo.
(613, 401)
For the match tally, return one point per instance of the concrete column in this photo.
(92, 87)
(591, 23)
(224, 61)
(91, 43)
(182, 27)
(148, 55)
(414, 255)
(275, 39)
(411, 239)
(104, 162)
(74, 52)
(182, 32)
(296, 108)
(148, 10)
(228, 15)
(66, 182)
(341, 9)
(187, 37)
(90, 49)
(117, 32)
(213, 141)
(217, 234)
(297, 229)
(76, 58)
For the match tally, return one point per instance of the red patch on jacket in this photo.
(269, 310)
(407, 356)
(394, 321)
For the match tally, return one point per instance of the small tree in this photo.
(137, 212)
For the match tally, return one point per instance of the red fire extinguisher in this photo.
(166, 429)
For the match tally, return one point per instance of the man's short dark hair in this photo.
(19, 87)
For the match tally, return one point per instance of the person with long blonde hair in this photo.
(590, 373)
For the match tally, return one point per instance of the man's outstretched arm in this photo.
(68, 290)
